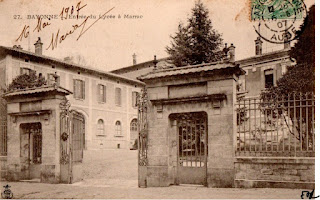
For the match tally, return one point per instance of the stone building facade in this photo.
(263, 70)
(106, 100)
(191, 124)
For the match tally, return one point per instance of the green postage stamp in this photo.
(277, 9)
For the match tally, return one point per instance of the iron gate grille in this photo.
(34, 135)
(276, 125)
(143, 128)
(192, 140)
(37, 143)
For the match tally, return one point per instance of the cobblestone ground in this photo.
(113, 174)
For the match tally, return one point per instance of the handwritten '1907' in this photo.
(57, 38)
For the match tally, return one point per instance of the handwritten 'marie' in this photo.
(57, 39)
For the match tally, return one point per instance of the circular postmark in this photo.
(278, 21)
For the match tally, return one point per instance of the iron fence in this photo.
(3, 137)
(272, 125)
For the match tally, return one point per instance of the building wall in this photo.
(89, 107)
(275, 172)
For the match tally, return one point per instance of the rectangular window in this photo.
(134, 99)
(101, 93)
(268, 78)
(52, 78)
(79, 89)
(118, 96)
(25, 71)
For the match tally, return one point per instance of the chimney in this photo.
(225, 50)
(67, 59)
(134, 56)
(38, 46)
(258, 46)
(232, 52)
(155, 61)
(17, 47)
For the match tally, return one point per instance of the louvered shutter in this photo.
(83, 89)
(74, 89)
(98, 92)
(104, 94)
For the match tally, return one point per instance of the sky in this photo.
(109, 43)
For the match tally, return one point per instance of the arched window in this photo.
(134, 125)
(118, 128)
(100, 127)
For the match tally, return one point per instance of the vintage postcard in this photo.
(161, 99)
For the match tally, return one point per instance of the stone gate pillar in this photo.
(191, 123)
(34, 133)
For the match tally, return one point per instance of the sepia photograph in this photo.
(157, 99)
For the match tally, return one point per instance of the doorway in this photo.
(192, 149)
(31, 150)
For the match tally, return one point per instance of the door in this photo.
(31, 150)
(72, 141)
(192, 151)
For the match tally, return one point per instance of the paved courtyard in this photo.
(113, 174)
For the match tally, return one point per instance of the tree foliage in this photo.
(197, 42)
(301, 78)
(24, 81)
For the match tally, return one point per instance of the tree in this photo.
(27, 81)
(197, 42)
(180, 50)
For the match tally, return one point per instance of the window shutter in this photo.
(134, 97)
(120, 96)
(104, 94)
(83, 90)
(74, 89)
(98, 92)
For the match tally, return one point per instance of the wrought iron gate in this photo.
(72, 137)
(193, 150)
(142, 100)
(31, 149)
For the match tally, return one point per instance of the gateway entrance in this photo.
(193, 149)
(31, 149)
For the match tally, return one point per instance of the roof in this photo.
(265, 56)
(35, 90)
(207, 67)
(74, 66)
(137, 66)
